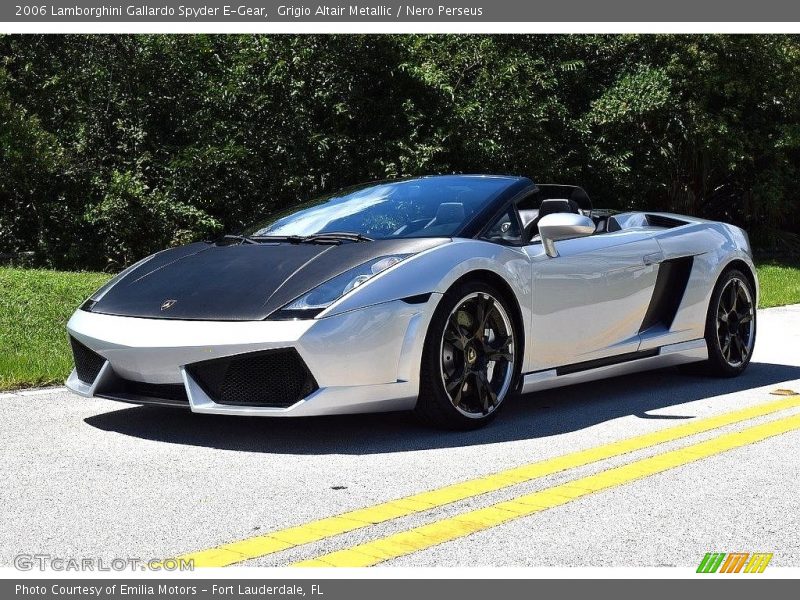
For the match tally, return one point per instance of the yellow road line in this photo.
(445, 530)
(276, 541)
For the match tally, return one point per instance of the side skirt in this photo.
(665, 356)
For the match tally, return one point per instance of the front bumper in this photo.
(364, 360)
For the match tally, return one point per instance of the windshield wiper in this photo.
(332, 237)
(347, 236)
(242, 239)
(292, 239)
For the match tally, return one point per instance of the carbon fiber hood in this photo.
(239, 282)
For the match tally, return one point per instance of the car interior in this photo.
(546, 200)
(447, 215)
(521, 221)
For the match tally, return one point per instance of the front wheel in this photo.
(730, 325)
(469, 361)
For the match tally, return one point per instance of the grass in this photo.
(36, 304)
(779, 283)
(34, 308)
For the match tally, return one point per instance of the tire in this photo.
(468, 373)
(730, 326)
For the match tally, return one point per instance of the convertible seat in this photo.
(448, 212)
(549, 207)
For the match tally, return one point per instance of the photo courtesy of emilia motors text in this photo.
(348, 300)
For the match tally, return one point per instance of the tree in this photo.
(112, 147)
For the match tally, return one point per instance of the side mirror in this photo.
(563, 226)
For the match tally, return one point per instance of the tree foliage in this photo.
(114, 146)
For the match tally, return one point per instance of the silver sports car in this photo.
(445, 295)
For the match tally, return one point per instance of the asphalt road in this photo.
(95, 478)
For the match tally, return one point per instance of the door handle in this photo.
(653, 259)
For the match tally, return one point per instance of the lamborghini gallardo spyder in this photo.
(445, 295)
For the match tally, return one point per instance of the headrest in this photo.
(450, 212)
(554, 205)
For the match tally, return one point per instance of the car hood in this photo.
(238, 282)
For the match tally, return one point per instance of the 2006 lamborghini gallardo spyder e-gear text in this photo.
(442, 294)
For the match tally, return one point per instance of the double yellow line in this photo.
(426, 536)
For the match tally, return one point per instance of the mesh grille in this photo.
(275, 378)
(87, 363)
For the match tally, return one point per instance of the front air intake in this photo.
(87, 362)
(272, 378)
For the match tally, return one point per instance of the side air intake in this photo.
(671, 281)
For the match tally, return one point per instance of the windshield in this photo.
(425, 207)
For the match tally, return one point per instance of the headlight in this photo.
(321, 297)
(98, 295)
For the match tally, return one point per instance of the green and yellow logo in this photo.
(734, 562)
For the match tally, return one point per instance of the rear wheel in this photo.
(730, 325)
(469, 361)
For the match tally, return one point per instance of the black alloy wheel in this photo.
(736, 322)
(730, 326)
(471, 348)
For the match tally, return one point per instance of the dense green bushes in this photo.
(113, 146)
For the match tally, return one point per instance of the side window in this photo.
(505, 229)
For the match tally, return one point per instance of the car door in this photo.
(590, 300)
